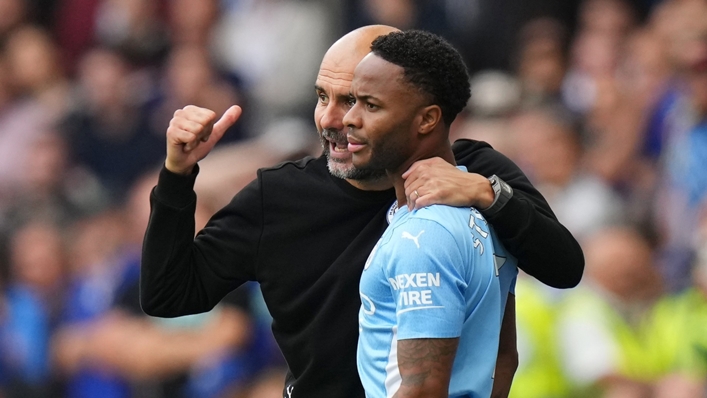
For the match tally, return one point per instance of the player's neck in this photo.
(399, 185)
(396, 176)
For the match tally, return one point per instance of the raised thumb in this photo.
(227, 120)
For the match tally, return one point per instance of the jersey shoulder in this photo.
(457, 220)
(432, 230)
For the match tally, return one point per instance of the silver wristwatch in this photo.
(502, 193)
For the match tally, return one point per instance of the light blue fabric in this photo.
(695, 175)
(25, 336)
(433, 274)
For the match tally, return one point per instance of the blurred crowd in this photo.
(609, 121)
(603, 104)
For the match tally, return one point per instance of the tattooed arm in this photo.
(425, 367)
(507, 362)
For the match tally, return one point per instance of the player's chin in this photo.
(360, 161)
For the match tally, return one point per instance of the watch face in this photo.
(507, 188)
(495, 184)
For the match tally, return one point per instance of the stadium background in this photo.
(603, 103)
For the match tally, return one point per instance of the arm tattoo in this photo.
(425, 366)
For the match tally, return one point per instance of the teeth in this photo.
(337, 149)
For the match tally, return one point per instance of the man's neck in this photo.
(396, 176)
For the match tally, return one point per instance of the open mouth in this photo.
(339, 147)
(337, 141)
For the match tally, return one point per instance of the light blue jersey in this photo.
(438, 272)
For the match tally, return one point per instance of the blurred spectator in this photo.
(610, 17)
(682, 332)
(487, 30)
(22, 121)
(109, 347)
(593, 59)
(551, 155)
(191, 78)
(688, 313)
(135, 27)
(32, 300)
(542, 59)
(493, 130)
(109, 128)
(494, 96)
(95, 278)
(275, 46)
(52, 189)
(607, 326)
(676, 25)
(194, 356)
(644, 68)
(191, 22)
(36, 69)
(589, 87)
(617, 120)
(539, 374)
(683, 136)
(618, 154)
(697, 315)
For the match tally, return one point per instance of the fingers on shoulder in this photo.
(421, 168)
(424, 201)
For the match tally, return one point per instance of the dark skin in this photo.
(507, 362)
(391, 126)
(425, 366)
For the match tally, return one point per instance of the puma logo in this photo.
(408, 235)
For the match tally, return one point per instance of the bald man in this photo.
(304, 229)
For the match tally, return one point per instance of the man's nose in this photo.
(351, 118)
(332, 118)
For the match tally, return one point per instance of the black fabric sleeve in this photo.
(181, 274)
(526, 225)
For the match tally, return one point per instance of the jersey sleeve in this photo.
(427, 280)
(181, 274)
(526, 225)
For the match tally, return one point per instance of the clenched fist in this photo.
(192, 134)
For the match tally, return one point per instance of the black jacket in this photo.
(304, 235)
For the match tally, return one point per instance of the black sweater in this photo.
(304, 235)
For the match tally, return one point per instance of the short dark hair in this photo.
(431, 64)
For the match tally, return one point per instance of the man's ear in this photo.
(431, 117)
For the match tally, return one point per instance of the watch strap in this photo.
(502, 194)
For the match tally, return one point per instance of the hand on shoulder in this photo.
(435, 181)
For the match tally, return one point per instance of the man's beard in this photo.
(342, 169)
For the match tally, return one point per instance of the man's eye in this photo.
(322, 97)
(350, 102)
(371, 107)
